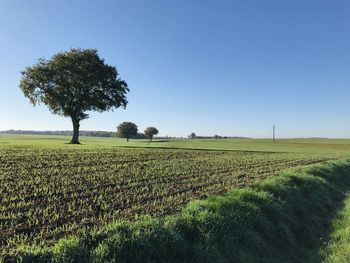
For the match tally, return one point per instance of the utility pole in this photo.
(274, 133)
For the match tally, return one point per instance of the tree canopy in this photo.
(192, 135)
(150, 132)
(127, 130)
(73, 83)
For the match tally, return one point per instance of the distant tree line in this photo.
(66, 133)
(194, 136)
(138, 135)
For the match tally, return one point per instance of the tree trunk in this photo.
(76, 125)
(127, 139)
(150, 138)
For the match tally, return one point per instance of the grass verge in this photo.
(281, 219)
(338, 249)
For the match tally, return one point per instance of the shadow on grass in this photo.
(193, 149)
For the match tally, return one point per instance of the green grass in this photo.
(338, 250)
(282, 145)
(281, 219)
(47, 193)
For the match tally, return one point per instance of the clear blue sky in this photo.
(230, 67)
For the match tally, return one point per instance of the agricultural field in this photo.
(50, 190)
(281, 145)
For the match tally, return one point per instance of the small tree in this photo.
(150, 132)
(127, 130)
(72, 83)
(192, 135)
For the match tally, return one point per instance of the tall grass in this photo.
(338, 249)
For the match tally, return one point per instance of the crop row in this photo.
(49, 193)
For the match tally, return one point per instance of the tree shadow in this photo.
(193, 149)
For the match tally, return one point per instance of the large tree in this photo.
(73, 83)
(192, 135)
(127, 130)
(150, 132)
